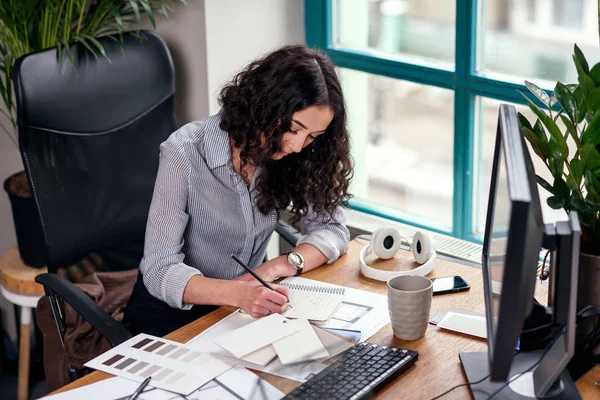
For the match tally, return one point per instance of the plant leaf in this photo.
(544, 183)
(540, 133)
(592, 186)
(541, 149)
(571, 129)
(555, 202)
(591, 134)
(567, 100)
(557, 141)
(524, 121)
(557, 164)
(561, 188)
(578, 55)
(595, 74)
(584, 210)
(581, 106)
(81, 40)
(149, 12)
(136, 10)
(98, 45)
(590, 157)
(574, 179)
(539, 93)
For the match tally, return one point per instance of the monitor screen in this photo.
(498, 241)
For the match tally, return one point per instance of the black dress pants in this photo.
(147, 314)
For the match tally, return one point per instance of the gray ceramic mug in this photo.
(409, 304)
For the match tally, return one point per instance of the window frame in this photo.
(466, 82)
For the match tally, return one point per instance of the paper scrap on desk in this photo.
(234, 384)
(262, 356)
(257, 335)
(303, 345)
(173, 366)
(463, 323)
(333, 343)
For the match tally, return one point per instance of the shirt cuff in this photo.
(174, 284)
(322, 241)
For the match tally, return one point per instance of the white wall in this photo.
(10, 162)
(184, 31)
(239, 31)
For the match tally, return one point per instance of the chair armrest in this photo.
(288, 233)
(111, 329)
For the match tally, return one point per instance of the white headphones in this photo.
(385, 242)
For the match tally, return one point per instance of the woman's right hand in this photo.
(259, 301)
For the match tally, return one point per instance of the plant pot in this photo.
(589, 281)
(30, 237)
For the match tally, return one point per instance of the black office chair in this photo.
(89, 136)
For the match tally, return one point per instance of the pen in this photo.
(258, 278)
(140, 388)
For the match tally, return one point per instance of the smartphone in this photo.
(449, 284)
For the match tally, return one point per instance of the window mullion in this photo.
(464, 113)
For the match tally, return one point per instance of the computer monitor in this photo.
(513, 239)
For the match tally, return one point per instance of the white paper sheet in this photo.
(256, 335)
(301, 346)
(235, 384)
(333, 344)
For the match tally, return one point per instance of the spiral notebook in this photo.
(312, 302)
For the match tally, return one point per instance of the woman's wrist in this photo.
(283, 267)
(232, 293)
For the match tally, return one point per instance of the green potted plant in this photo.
(30, 25)
(575, 169)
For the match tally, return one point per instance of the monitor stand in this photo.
(476, 367)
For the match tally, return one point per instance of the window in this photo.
(423, 80)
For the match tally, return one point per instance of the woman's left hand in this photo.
(271, 270)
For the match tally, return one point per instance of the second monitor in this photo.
(513, 239)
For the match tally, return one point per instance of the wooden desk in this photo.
(438, 367)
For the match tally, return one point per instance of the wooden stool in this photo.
(19, 287)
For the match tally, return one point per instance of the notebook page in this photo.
(312, 303)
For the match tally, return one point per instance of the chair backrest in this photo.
(89, 135)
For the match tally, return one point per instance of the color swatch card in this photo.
(262, 356)
(173, 366)
(301, 346)
(261, 333)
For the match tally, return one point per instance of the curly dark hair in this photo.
(257, 108)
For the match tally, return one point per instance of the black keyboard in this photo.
(357, 373)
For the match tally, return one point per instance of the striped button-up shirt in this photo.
(202, 211)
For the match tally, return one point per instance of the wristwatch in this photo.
(296, 260)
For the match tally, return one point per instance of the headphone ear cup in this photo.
(385, 242)
(423, 246)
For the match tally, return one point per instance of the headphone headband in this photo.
(375, 246)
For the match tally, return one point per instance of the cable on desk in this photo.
(488, 375)
(462, 384)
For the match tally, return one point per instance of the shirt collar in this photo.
(218, 149)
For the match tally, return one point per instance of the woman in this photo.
(279, 140)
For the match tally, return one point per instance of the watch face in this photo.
(295, 259)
